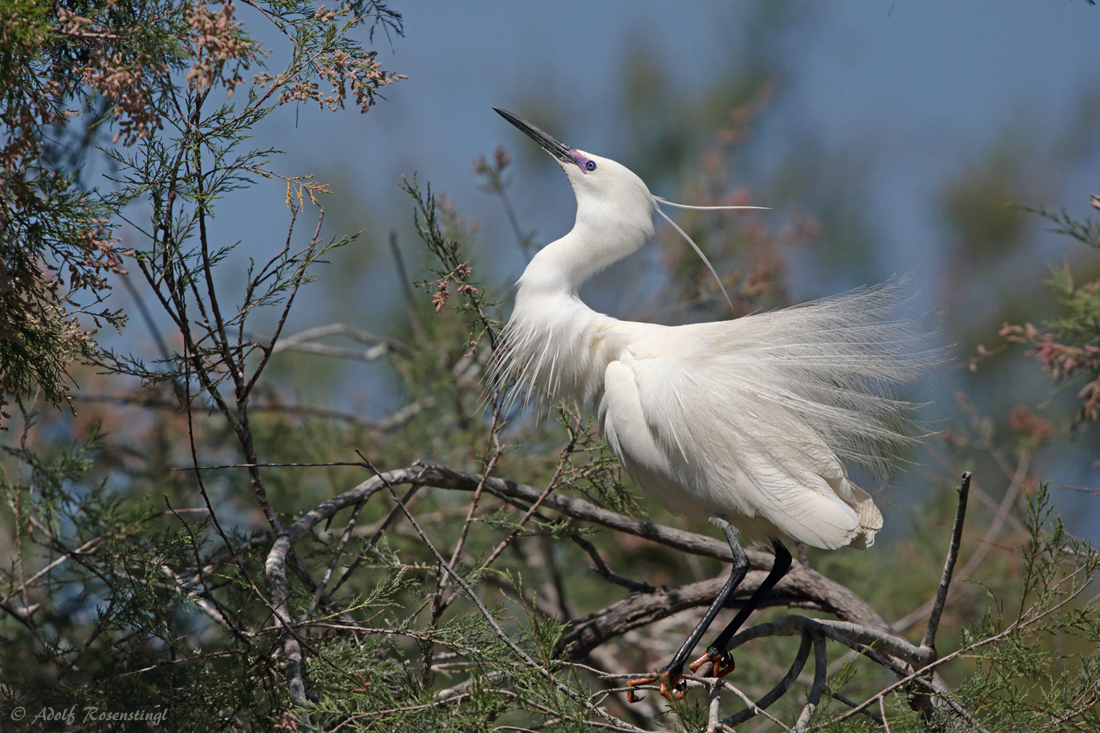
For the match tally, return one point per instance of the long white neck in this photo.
(598, 239)
(561, 345)
(556, 343)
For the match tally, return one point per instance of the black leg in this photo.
(780, 567)
(737, 574)
(670, 675)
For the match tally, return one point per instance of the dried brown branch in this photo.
(860, 626)
(601, 568)
(929, 640)
(1001, 516)
(832, 596)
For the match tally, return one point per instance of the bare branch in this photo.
(818, 688)
(607, 573)
(380, 345)
(929, 640)
(406, 290)
(780, 689)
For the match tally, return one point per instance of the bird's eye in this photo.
(590, 165)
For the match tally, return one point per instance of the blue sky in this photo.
(916, 89)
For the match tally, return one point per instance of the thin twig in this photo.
(266, 465)
(90, 544)
(852, 703)
(293, 644)
(341, 329)
(607, 573)
(531, 511)
(744, 698)
(1019, 478)
(147, 317)
(406, 500)
(985, 544)
(501, 634)
(385, 425)
(497, 450)
(929, 640)
(217, 613)
(915, 676)
(344, 537)
(439, 606)
(406, 289)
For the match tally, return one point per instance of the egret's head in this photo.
(612, 203)
(602, 186)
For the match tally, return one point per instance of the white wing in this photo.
(751, 418)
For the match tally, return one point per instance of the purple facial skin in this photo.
(584, 163)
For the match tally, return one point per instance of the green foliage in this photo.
(1014, 686)
(122, 63)
(1068, 347)
(452, 269)
(116, 598)
(1086, 231)
(593, 470)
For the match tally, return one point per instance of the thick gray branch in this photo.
(802, 586)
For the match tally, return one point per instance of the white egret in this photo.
(746, 422)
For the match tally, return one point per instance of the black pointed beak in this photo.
(555, 147)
